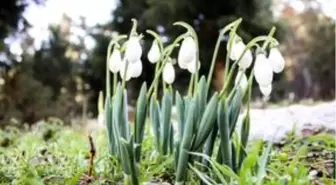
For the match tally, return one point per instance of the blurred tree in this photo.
(207, 17)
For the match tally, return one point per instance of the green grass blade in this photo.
(167, 102)
(140, 120)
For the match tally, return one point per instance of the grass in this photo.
(51, 153)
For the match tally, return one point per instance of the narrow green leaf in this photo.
(180, 113)
(207, 122)
(140, 118)
(234, 108)
(154, 115)
(167, 102)
(223, 125)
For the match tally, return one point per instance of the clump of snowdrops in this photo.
(203, 119)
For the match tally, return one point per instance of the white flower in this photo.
(168, 73)
(114, 62)
(187, 52)
(237, 51)
(263, 71)
(277, 60)
(154, 52)
(192, 66)
(133, 50)
(122, 71)
(136, 69)
(266, 90)
(100, 119)
(243, 79)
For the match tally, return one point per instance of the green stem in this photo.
(115, 79)
(214, 56)
(157, 66)
(125, 74)
(191, 82)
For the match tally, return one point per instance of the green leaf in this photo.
(154, 115)
(185, 145)
(167, 102)
(109, 124)
(225, 140)
(234, 109)
(207, 122)
(140, 119)
(180, 114)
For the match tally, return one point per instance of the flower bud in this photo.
(192, 67)
(100, 119)
(136, 69)
(122, 71)
(277, 60)
(243, 79)
(133, 50)
(237, 51)
(187, 52)
(154, 53)
(266, 90)
(114, 62)
(263, 71)
(168, 73)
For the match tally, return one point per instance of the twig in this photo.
(92, 155)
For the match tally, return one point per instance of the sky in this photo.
(97, 12)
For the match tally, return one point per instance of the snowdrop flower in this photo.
(122, 71)
(136, 69)
(243, 79)
(100, 119)
(192, 66)
(114, 62)
(154, 53)
(277, 60)
(187, 52)
(133, 49)
(168, 73)
(266, 90)
(263, 71)
(237, 50)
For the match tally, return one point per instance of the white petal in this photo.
(168, 73)
(192, 67)
(246, 60)
(237, 50)
(133, 50)
(154, 53)
(243, 79)
(136, 69)
(187, 52)
(263, 72)
(266, 90)
(122, 71)
(100, 119)
(277, 60)
(114, 63)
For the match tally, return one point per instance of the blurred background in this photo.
(52, 52)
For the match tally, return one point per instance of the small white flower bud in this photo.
(263, 72)
(154, 53)
(136, 69)
(122, 71)
(168, 73)
(133, 50)
(100, 119)
(187, 52)
(237, 51)
(277, 60)
(114, 62)
(192, 67)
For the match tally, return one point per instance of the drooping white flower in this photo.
(187, 52)
(263, 71)
(136, 69)
(168, 73)
(100, 119)
(243, 79)
(277, 60)
(266, 90)
(192, 66)
(237, 50)
(114, 62)
(122, 71)
(133, 49)
(154, 52)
